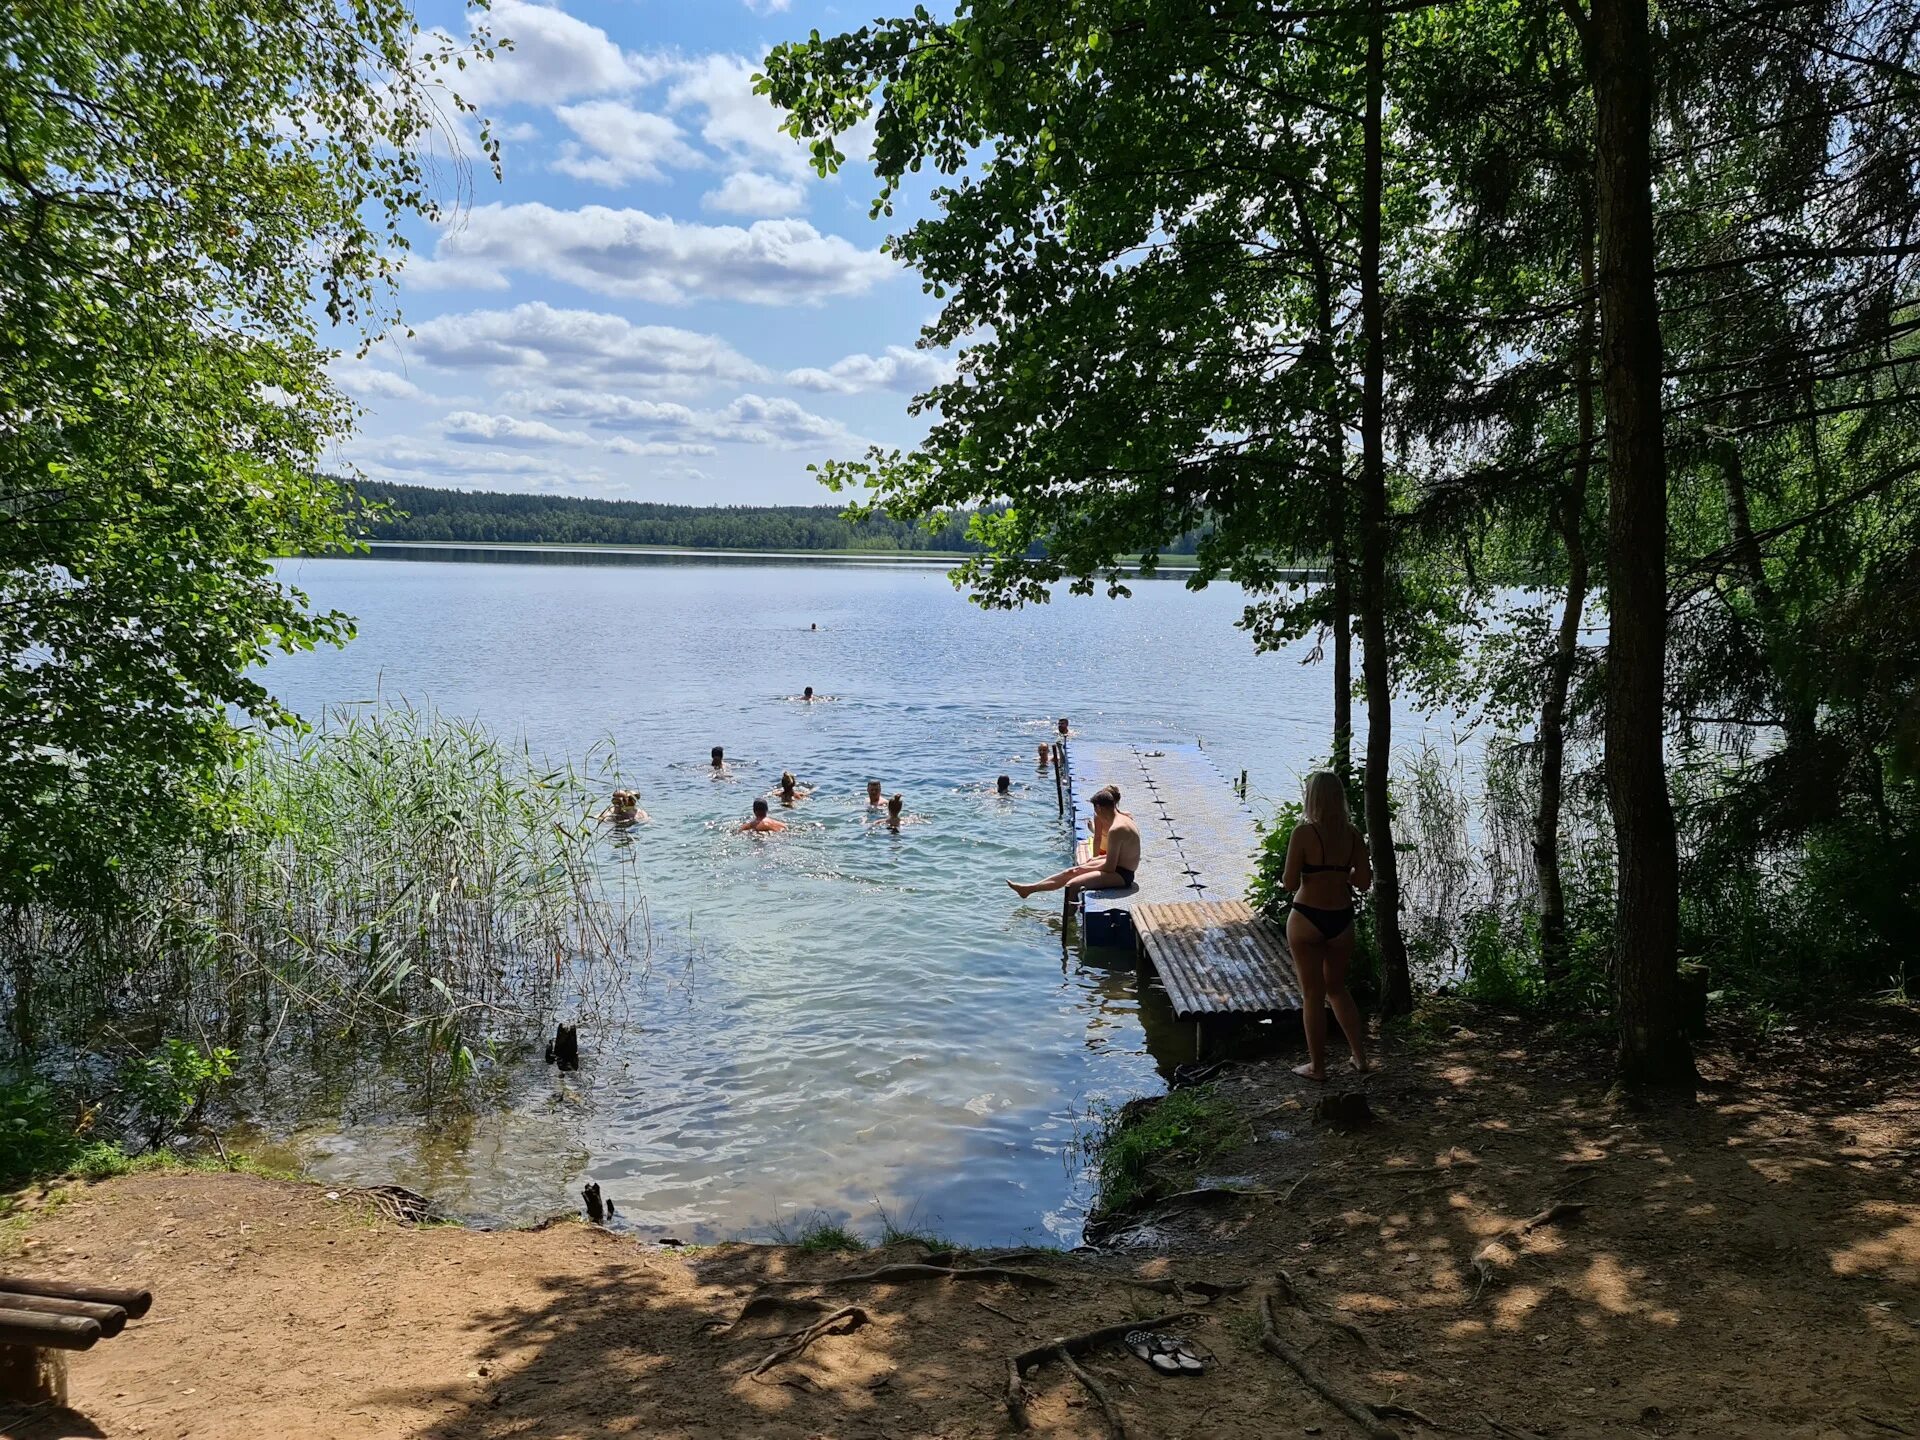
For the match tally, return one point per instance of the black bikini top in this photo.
(1306, 869)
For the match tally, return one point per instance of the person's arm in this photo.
(1290, 872)
(1362, 873)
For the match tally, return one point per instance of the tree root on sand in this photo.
(1490, 1256)
(1063, 1348)
(1116, 1430)
(762, 1305)
(1361, 1414)
(1190, 1291)
(899, 1274)
(1285, 1290)
(842, 1322)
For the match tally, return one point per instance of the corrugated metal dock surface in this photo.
(1216, 957)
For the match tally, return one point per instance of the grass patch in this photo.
(816, 1234)
(1154, 1148)
(907, 1230)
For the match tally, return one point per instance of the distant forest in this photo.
(422, 512)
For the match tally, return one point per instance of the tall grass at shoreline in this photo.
(392, 881)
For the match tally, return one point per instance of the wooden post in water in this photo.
(1059, 778)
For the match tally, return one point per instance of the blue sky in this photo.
(660, 300)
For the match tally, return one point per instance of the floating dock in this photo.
(1187, 912)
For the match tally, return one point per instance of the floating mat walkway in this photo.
(1187, 913)
(1217, 957)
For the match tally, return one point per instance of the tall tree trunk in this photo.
(1334, 444)
(1396, 986)
(1653, 1048)
(1553, 714)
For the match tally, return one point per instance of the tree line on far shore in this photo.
(428, 513)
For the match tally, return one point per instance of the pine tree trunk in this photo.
(1653, 1049)
(1553, 713)
(1396, 987)
(1334, 445)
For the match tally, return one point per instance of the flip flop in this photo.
(1167, 1354)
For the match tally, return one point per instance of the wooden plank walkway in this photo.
(1187, 911)
(1217, 957)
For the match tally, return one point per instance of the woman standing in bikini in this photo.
(1326, 862)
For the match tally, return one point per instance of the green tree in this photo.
(1151, 246)
(185, 193)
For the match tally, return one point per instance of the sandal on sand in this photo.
(1168, 1354)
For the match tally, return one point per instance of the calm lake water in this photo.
(835, 1020)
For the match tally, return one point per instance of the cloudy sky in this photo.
(660, 301)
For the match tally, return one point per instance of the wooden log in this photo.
(136, 1302)
(48, 1332)
(112, 1318)
(30, 1376)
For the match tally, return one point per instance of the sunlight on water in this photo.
(837, 1017)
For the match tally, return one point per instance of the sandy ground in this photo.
(1748, 1266)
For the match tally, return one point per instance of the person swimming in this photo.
(1044, 755)
(1063, 726)
(719, 760)
(625, 809)
(1004, 785)
(789, 789)
(874, 798)
(807, 694)
(894, 807)
(1118, 853)
(762, 822)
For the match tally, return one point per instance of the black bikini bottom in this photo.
(1126, 876)
(1330, 923)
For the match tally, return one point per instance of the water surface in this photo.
(838, 1018)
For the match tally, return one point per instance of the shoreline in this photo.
(1691, 1247)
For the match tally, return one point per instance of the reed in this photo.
(392, 875)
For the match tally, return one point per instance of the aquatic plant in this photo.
(391, 877)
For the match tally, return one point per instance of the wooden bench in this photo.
(41, 1320)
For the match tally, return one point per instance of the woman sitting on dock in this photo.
(1117, 858)
(1326, 862)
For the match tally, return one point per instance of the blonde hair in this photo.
(1324, 799)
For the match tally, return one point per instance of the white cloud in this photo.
(899, 369)
(621, 445)
(633, 254)
(734, 119)
(748, 192)
(408, 458)
(540, 343)
(554, 57)
(767, 7)
(469, 427)
(626, 144)
(367, 383)
(748, 420)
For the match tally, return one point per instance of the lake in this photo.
(838, 1020)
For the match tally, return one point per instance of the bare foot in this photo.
(1023, 891)
(1307, 1072)
(1363, 1066)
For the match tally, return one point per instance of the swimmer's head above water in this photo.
(873, 792)
(719, 757)
(807, 694)
(1004, 784)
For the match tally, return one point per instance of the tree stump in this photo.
(564, 1049)
(1344, 1112)
(31, 1376)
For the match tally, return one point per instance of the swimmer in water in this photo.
(1044, 755)
(874, 798)
(894, 807)
(807, 694)
(1063, 726)
(790, 789)
(1004, 785)
(1117, 858)
(719, 762)
(762, 823)
(625, 809)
